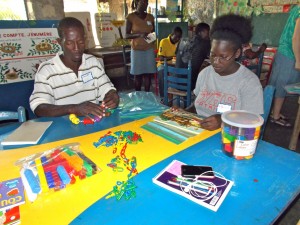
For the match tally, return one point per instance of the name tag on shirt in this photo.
(223, 108)
(87, 77)
(149, 23)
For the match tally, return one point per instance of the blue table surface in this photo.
(263, 187)
(62, 128)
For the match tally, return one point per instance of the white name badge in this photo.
(87, 77)
(149, 23)
(223, 108)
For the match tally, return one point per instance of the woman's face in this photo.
(222, 57)
(142, 5)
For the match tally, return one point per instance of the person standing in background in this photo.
(138, 25)
(286, 66)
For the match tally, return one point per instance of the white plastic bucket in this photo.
(240, 133)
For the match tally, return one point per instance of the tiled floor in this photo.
(274, 134)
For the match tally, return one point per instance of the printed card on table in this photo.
(11, 193)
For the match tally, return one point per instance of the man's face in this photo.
(176, 37)
(73, 43)
(142, 5)
(204, 34)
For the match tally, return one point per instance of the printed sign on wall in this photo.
(22, 50)
(106, 32)
(85, 18)
(110, 31)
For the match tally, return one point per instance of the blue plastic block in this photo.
(64, 176)
(32, 181)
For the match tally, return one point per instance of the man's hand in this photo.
(89, 108)
(111, 99)
(211, 123)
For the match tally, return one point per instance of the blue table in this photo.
(62, 128)
(263, 188)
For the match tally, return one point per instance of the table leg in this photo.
(295, 134)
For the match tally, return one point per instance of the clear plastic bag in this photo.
(140, 104)
(54, 169)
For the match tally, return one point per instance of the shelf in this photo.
(165, 16)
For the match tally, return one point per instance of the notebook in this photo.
(209, 193)
(28, 133)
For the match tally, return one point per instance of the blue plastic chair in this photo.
(177, 82)
(256, 68)
(20, 115)
(268, 98)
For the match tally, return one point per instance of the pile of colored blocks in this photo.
(231, 134)
(56, 169)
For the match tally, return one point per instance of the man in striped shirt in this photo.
(72, 82)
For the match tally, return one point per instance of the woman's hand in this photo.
(144, 35)
(211, 123)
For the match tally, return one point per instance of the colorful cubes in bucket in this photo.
(240, 133)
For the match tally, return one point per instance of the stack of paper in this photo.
(28, 133)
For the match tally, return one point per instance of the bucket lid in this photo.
(242, 118)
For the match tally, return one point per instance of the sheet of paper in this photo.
(28, 133)
(150, 37)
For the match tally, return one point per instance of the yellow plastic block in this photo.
(41, 174)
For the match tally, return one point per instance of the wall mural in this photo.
(254, 7)
(198, 11)
(22, 50)
(240, 7)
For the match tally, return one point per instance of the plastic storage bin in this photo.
(240, 133)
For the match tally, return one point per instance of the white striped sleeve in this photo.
(42, 92)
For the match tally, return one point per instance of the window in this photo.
(86, 6)
(12, 10)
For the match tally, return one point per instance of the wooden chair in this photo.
(127, 63)
(268, 98)
(19, 115)
(177, 83)
(256, 68)
(268, 62)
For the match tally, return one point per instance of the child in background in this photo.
(249, 56)
(168, 45)
(226, 84)
(166, 50)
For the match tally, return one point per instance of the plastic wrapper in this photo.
(140, 104)
(54, 169)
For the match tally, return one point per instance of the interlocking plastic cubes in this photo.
(240, 133)
(55, 169)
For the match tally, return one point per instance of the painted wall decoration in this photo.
(199, 11)
(239, 7)
(22, 50)
(273, 2)
(254, 7)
